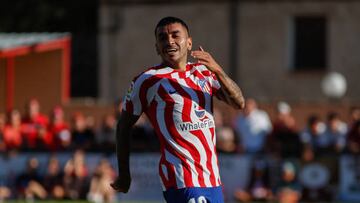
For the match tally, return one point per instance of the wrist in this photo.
(218, 71)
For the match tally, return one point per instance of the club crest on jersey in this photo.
(203, 83)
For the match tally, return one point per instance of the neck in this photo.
(180, 66)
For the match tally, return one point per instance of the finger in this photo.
(198, 54)
(117, 188)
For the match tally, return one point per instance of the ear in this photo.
(189, 45)
(157, 49)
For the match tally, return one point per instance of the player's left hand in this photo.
(122, 183)
(206, 59)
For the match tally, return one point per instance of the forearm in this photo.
(230, 91)
(122, 148)
(123, 142)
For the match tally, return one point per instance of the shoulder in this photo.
(150, 76)
(146, 74)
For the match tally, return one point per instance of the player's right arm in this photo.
(132, 108)
(123, 131)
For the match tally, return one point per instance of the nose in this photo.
(170, 40)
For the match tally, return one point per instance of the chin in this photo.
(172, 60)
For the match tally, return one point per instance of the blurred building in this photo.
(34, 65)
(275, 50)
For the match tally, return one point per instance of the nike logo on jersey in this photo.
(172, 91)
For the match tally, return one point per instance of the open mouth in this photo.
(170, 50)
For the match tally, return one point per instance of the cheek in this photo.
(182, 42)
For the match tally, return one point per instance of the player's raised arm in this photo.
(229, 92)
(123, 131)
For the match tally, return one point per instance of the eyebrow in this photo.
(163, 33)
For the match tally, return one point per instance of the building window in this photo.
(310, 48)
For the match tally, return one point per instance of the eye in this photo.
(162, 37)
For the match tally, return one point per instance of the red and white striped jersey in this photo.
(179, 105)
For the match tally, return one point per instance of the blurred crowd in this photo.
(250, 132)
(35, 131)
(69, 181)
(253, 132)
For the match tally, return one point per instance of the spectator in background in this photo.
(288, 190)
(354, 138)
(13, 131)
(28, 183)
(75, 180)
(35, 126)
(354, 116)
(336, 130)
(99, 186)
(105, 137)
(83, 136)
(53, 178)
(258, 188)
(5, 193)
(253, 125)
(59, 131)
(2, 128)
(354, 131)
(225, 135)
(313, 137)
(284, 140)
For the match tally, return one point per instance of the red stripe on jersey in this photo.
(200, 135)
(129, 107)
(182, 142)
(177, 137)
(212, 130)
(145, 87)
(170, 181)
(186, 117)
(187, 100)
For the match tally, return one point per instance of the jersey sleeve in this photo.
(132, 102)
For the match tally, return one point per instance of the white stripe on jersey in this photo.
(207, 133)
(179, 158)
(135, 94)
(164, 131)
(179, 172)
(151, 93)
(165, 172)
(190, 137)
